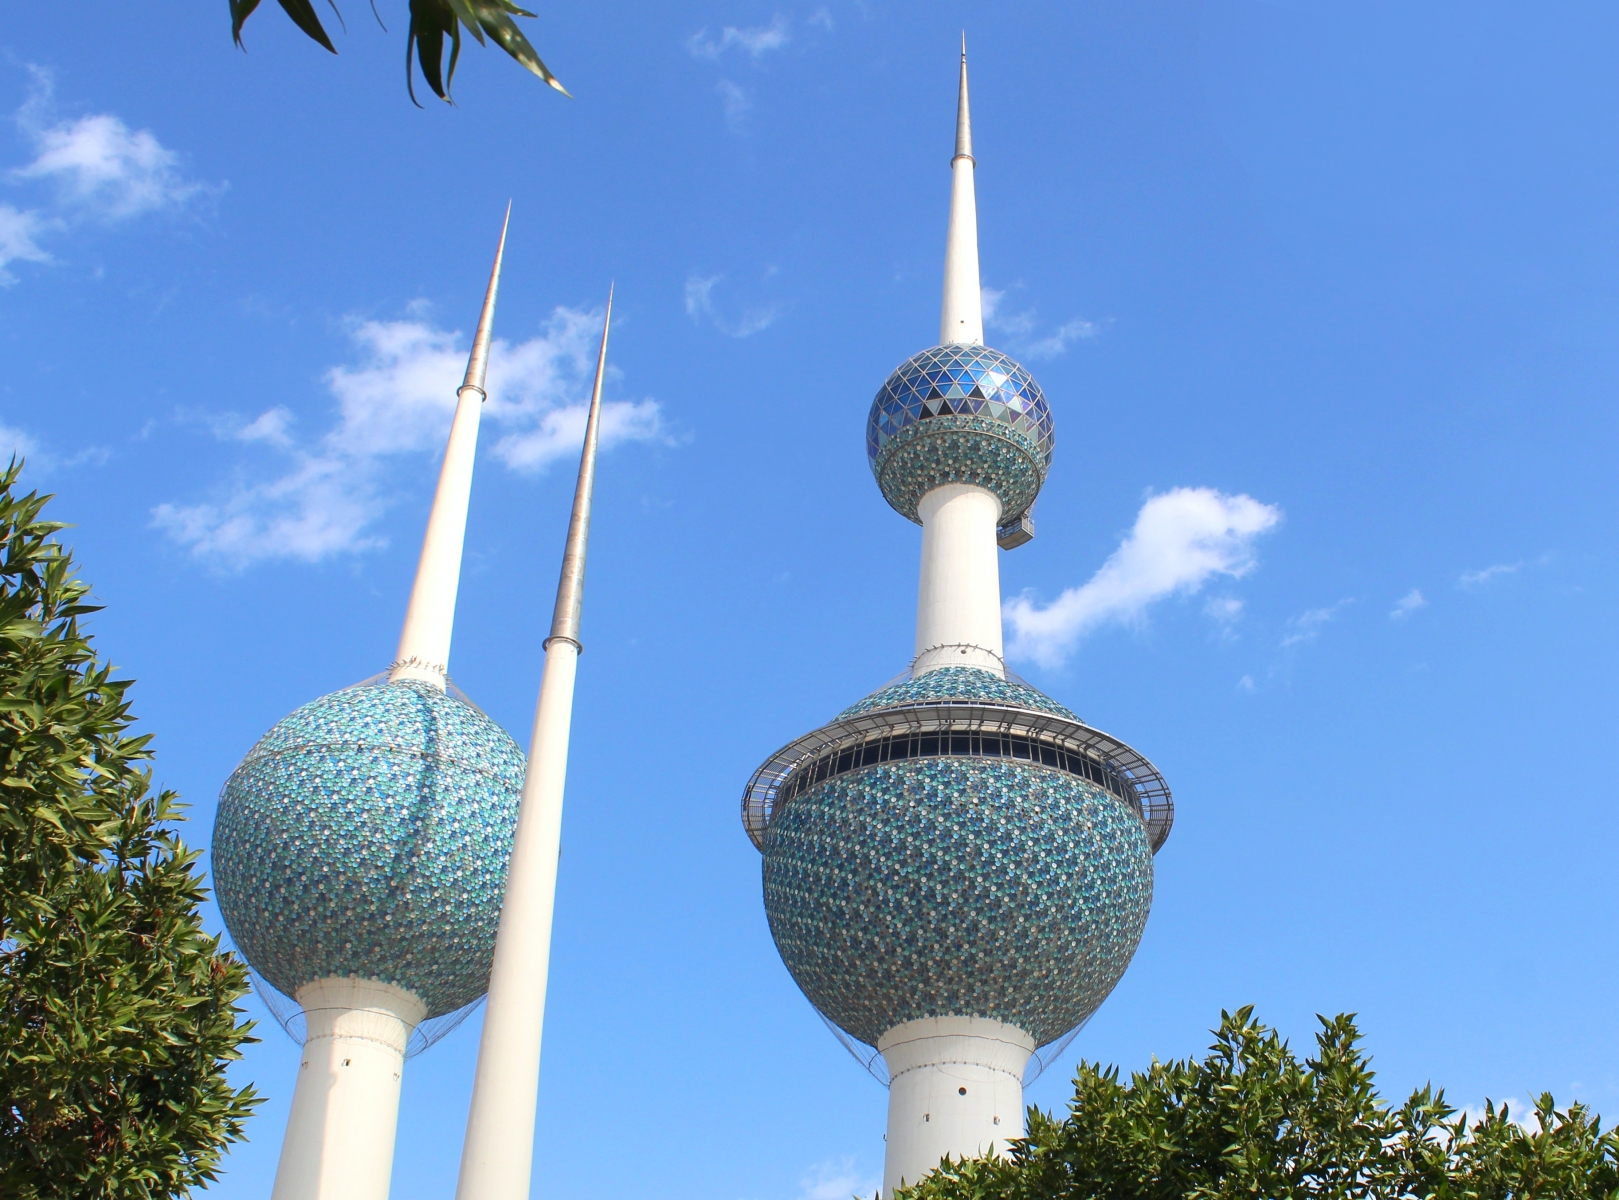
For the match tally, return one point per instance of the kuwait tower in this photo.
(957, 869)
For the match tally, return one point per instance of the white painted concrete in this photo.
(498, 1155)
(345, 1107)
(497, 1158)
(956, 1088)
(962, 318)
(958, 601)
(424, 644)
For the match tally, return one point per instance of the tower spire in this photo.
(570, 587)
(424, 643)
(497, 1157)
(962, 319)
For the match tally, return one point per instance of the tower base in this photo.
(955, 1088)
(345, 1107)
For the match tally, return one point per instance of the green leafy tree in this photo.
(1252, 1121)
(431, 23)
(118, 1011)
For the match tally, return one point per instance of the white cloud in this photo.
(700, 306)
(753, 41)
(1408, 604)
(1021, 330)
(270, 426)
(19, 443)
(1519, 1113)
(1246, 684)
(1473, 579)
(1181, 539)
(1307, 625)
(16, 443)
(837, 1181)
(1225, 610)
(102, 167)
(736, 101)
(20, 230)
(97, 169)
(397, 399)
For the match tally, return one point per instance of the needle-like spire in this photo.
(964, 124)
(571, 586)
(478, 360)
(499, 1151)
(424, 643)
(962, 319)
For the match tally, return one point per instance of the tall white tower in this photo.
(957, 869)
(497, 1158)
(359, 854)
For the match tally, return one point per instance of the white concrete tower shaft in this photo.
(955, 1087)
(958, 606)
(498, 1156)
(345, 1105)
(424, 643)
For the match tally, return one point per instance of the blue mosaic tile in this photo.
(971, 685)
(960, 414)
(957, 887)
(367, 834)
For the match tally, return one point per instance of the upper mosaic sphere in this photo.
(367, 835)
(957, 887)
(960, 414)
(966, 685)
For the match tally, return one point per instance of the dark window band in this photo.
(901, 746)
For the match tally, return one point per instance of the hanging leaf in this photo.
(303, 16)
(431, 22)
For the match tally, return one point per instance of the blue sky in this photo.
(1324, 298)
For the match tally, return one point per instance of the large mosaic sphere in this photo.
(367, 835)
(960, 414)
(957, 885)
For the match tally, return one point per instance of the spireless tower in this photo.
(957, 869)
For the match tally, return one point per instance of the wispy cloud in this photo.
(102, 167)
(1181, 540)
(754, 41)
(1307, 625)
(837, 1181)
(20, 443)
(1021, 332)
(16, 443)
(1408, 604)
(1473, 579)
(95, 168)
(20, 231)
(1226, 611)
(397, 399)
(701, 306)
(735, 102)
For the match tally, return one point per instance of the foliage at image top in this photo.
(1253, 1121)
(431, 21)
(118, 1014)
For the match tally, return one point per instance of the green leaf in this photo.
(240, 11)
(492, 15)
(303, 16)
(430, 22)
